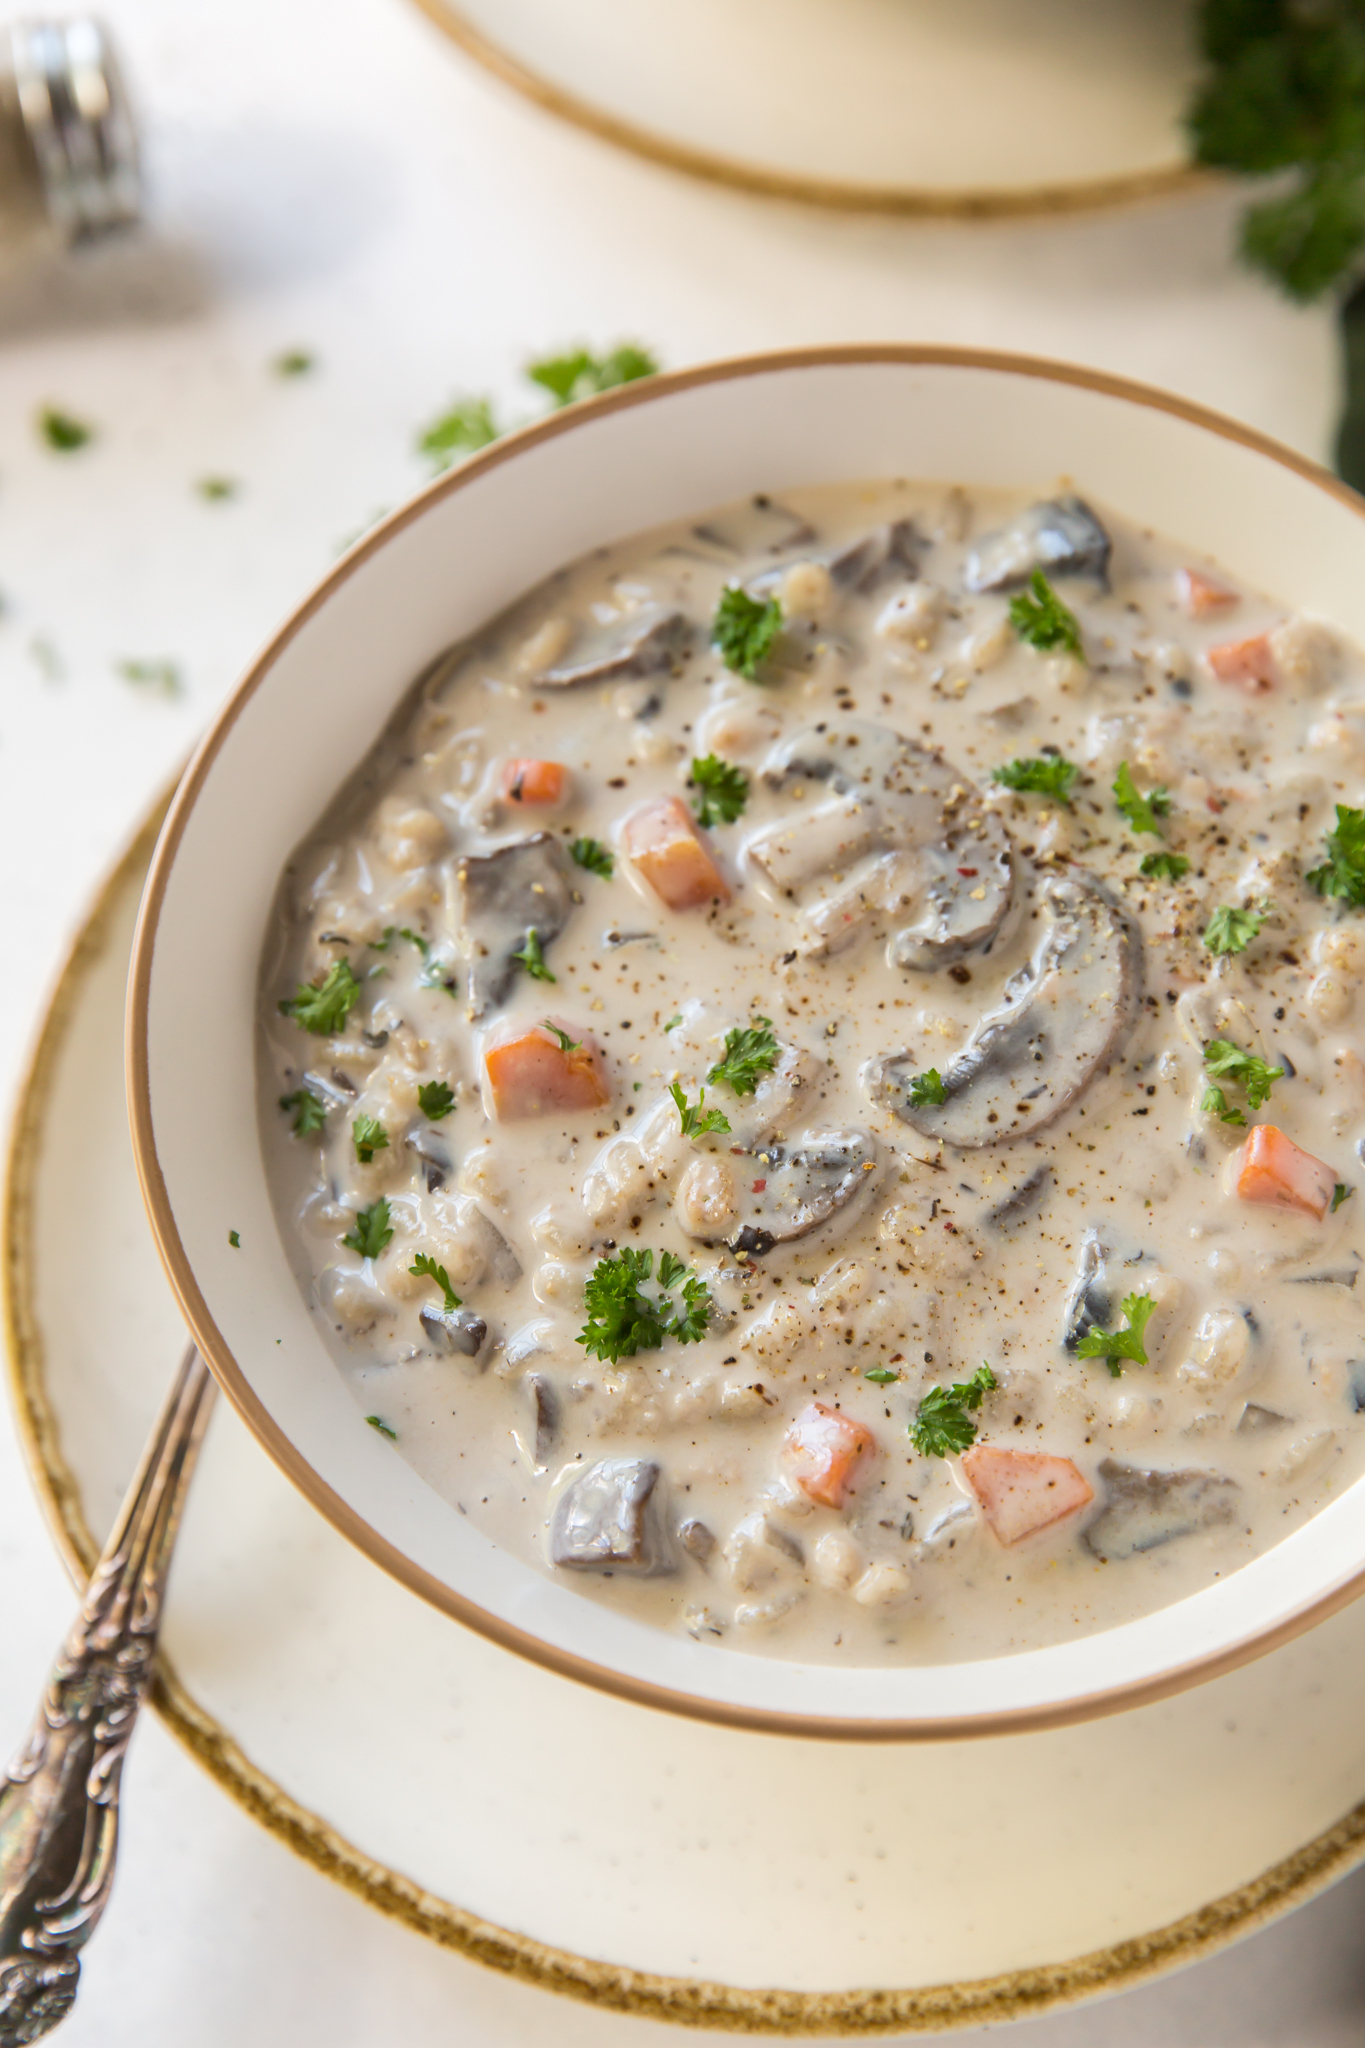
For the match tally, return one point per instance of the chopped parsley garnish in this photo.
(324, 1006)
(424, 1267)
(370, 1137)
(1343, 872)
(435, 1099)
(724, 790)
(310, 1111)
(383, 1428)
(294, 362)
(1227, 1062)
(566, 1044)
(1163, 867)
(532, 958)
(164, 676)
(235, 1239)
(673, 1022)
(433, 974)
(1115, 1345)
(466, 427)
(62, 432)
(592, 855)
(1232, 931)
(580, 374)
(926, 1090)
(1213, 1102)
(216, 488)
(1342, 1192)
(1043, 620)
(744, 629)
(623, 1319)
(372, 1230)
(750, 1052)
(696, 1122)
(1143, 813)
(943, 1422)
(881, 1375)
(1039, 775)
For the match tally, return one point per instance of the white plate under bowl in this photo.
(300, 721)
(685, 1872)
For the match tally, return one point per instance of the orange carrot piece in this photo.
(822, 1452)
(663, 841)
(1197, 593)
(1022, 1492)
(534, 782)
(531, 1074)
(1271, 1168)
(1248, 664)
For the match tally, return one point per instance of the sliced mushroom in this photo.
(860, 565)
(1144, 1508)
(1060, 534)
(896, 829)
(436, 1160)
(456, 1331)
(1021, 1202)
(645, 642)
(491, 1249)
(546, 1412)
(606, 1520)
(522, 887)
(786, 1192)
(1064, 1016)
(1090, 1302)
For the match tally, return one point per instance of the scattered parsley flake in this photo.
(1114, 1345)
(578, 373)
(532, 958)
(623, 1319)
(1226, 1061)
(943, 1421)
(592, 855)
(424, 1267)
(466, 427)
(62, 431)
(1163, 867)
(323, 1007)
(1143, 813)
(383, 1428)
(673, 1022)
(163, 676)
(1039, 775)
(310, 1111)
(1342, 1192)
(215, 489)
(234, 1237)
(881, 1376)
(435, 1099)
(724, 790)
(373, 1230)
(750, 1052)
(370, 1137)
(1213, 1102)
(1043, 620)
(1342, 874)
(1232, 931)
(695, 1122)
(744, 629)
(926, 1090)
(566, 1044)
(293, 362)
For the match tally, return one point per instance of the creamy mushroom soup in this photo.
(809, 1079)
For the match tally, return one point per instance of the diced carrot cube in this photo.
(1197, 593)
(1271, 1168)
(532, 1074)
(822, 1452)
(534, 782)
(1022, 1492)
(663, 841)
(1248, 664)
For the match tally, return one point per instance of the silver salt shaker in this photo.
(68, 145)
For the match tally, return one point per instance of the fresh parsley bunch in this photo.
(623, 1319)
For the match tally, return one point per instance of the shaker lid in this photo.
(79, 124)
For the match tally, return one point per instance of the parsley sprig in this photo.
(624, 1320)
(370, 1137)
(424, 1267)
(532, 958)
(373, 1230)
(1213, 1102)
(750, 1052)
(1144, 813)
(324, 1006)
(1227, 1062)
(744, 629)
(697, 1122)
(465, 427)
(724, 790)
(943, 1422)
(592, 855)
(578, 373)
(435, 1099)
(566, 1044)
(926, 1090)
(310, 1111)
(1039, 617)
(1113, 1346)
(1342, 874)
(1231, 931)
(1163, 867)
(1039, 775)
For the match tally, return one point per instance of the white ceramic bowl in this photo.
(309, 708)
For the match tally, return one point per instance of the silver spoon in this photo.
(59, 1799)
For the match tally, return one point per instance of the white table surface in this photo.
(334, 177)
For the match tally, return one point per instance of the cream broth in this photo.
(966, 1048)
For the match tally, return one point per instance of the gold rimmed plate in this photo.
(681, 1871)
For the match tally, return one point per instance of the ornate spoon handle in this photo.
(59, 1800)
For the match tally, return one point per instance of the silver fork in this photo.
(59, 1800)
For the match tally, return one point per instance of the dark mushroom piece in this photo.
(1020, 1203)
(522, 887)
(887, 553)
(1145, 1508)
(646, 642)
(490, 1245)
(436, 1160)
(456, 1331)
(546, 1413)
(607, 1520)
(1091, 1303)
(787, 1192)
(1063, 1018)
(895, 829)
(1060, 535)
